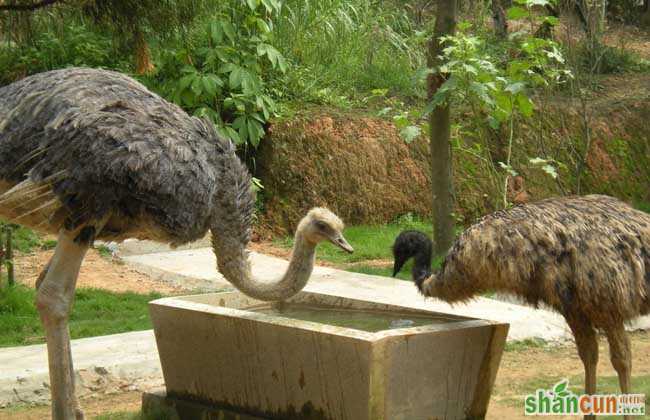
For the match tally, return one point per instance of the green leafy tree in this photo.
(129, 21)
(222, 76)
(501, 87)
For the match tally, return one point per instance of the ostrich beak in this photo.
(340, 241)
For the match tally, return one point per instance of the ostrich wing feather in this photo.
(124, 150)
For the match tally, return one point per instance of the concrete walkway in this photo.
(108, 364)
(130, 361)
(199, 267)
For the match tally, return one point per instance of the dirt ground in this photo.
(96, 272)
(518, 368)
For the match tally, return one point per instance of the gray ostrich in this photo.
(91, 154)
(586, 257)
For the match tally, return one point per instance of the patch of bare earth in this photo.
(92, 406)
(519, 368)
(96, 272)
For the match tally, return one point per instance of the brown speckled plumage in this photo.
(586, 257)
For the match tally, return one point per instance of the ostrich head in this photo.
(409, 244)
(320, 225)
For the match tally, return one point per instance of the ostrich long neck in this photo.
(234, 264)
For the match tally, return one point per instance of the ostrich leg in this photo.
(621, 357)
(41, 276)
(39, 280)
(54, 301)
(587, 344)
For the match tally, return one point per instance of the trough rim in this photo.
(184, 303)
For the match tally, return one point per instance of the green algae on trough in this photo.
(364, 320)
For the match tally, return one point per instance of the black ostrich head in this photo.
(413, 244)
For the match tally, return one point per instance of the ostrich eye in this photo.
(321, 225)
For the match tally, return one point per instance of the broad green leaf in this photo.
(384, 111)
(508, 169)
(235, 79)
(252, 4)
(516, 12)
(216, 32)
(282, 64)
(410, 133)
(549, 169)
(229, 30)
(197, 86)
(551, 20)
(188, 98)
(186, 81)
(401, 121)
(209, 86)
(262, 26)
(255, 132)
(228, 68)
(525, 105)
(233, 135)
(515, 88)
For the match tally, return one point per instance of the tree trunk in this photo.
(499, 19)
(440, 123)
(143, 64)
(10, 258)
(2, 254)
(645, 17)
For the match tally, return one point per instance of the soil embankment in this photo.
(360, 167)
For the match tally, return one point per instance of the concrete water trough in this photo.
(224, 355)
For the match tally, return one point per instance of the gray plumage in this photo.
(88, 144)
(91, 153)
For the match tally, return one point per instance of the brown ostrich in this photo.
(586, 257)
(93, 154)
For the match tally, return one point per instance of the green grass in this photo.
(370, 242)
(117, 415)
(341, 49)
(122, 415)
(23, 239)
(528, 343)
(104, 251)
(643, 207)
(135, 415)
(386, 271)
(48, 244)
(95, 312)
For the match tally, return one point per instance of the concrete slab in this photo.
(130, 361)
(525, 322)
(105, 364)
